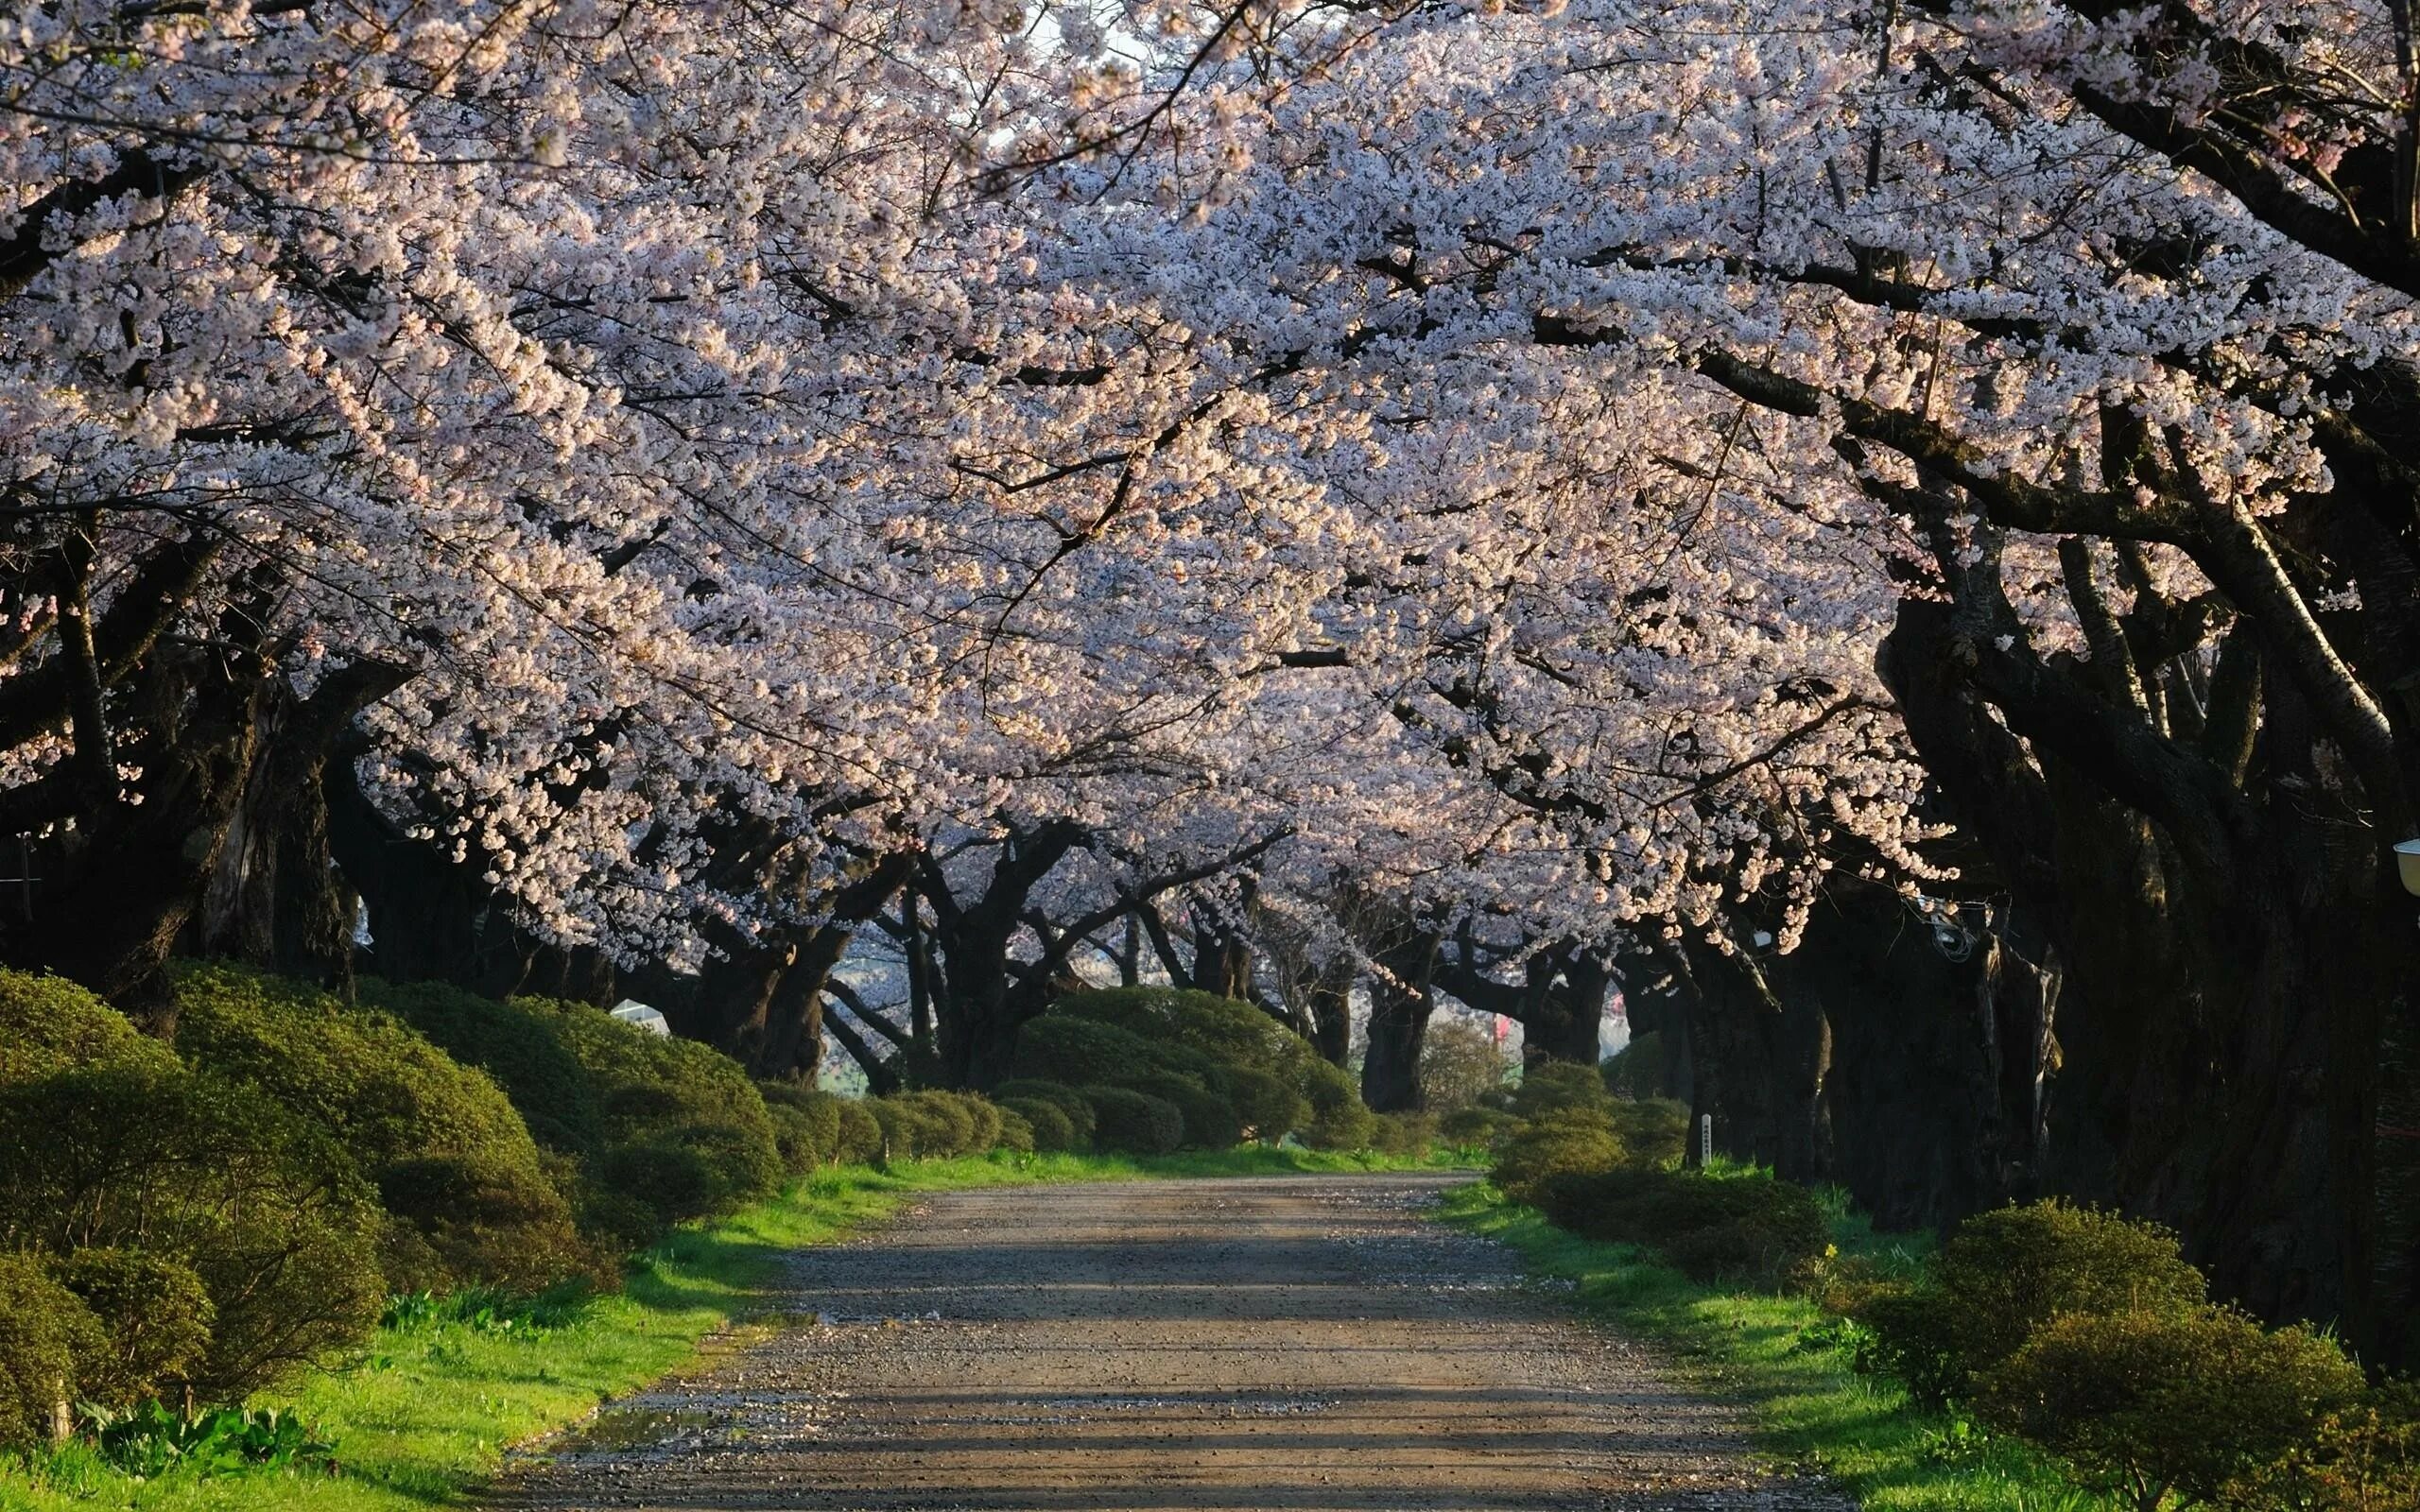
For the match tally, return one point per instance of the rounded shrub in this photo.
(948, 1125)
(1083, 1053)
(1404, 1134)
(1015, 1134)
(1065, 1098)
(2147, 1403)
(1558, 1086)
(1210, 1120)
(1047, 1126)
(48, 1023)
(1569, 1141)
(1654, 1131)
(2001, 1274)
(450, 1158)
(907, 1134)
(1134, 1123)
(806, 1125)
(2364, 1458)
(1477, 1127)
(155, 1313)
(273, 1216)
(1340, 1120)
(50, 1346)
(1749, 1227)
(860, 1137)
(517, 1047)
(1268, 1106)
(658, 1094)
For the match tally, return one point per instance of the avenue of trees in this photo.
(1887, 534)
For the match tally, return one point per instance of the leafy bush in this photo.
(450, 1157)
(1567, 1141)
(860, 1138)
(1078, 1051)
(2150, 1401)
(806, 1125)
(2003, 1273)
(515, 1044)
(149, 1441)
(1476, 1127)
(134, 1148)
(1404, 1134)
(1653, 1132)
(1747, 1227)
(1268, 1106)
(1047, 1126)
(1221, 1029)
(1460, 1063)
(156, 1316)
(1340, 1120)
(1561, 1085)
(1016, 1133)
(2361, 1458)
(1637, 1071)
(685, 1131)
(50, 1345)
(1210, 1120)
(48, 1023)
(1135, 1122)
(1070, 1101)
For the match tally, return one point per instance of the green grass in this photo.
(1792, 1366)
(426, 1414)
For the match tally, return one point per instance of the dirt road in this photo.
(1233, 1346)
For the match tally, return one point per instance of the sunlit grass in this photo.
(427, 1411)
(1811, 1410)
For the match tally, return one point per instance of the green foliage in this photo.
(1568, 1139)
(2152, 1402)
(1268, 1077)
(155, 1313)
(1561, 1085)
(860, 1137)
(806, 1125)
(1267, 1105)
(1210, 1119)
(452, 1160)
(1078, 1051)
(1017, 1135)
(1134, 1123)
(50, 1345)
(515, 1044)
(1477, 1127)
(1340, 1120)
(1653, 1132)
(2364, 1457)
(1460, 1063)
(1637, 1071)
(1408, 1136)
(2004, 1273)
(1047, 1126)
(685, 1131)
(1077, 1108)
(48, 1023)
(135, 1149)
(149, 1441)
(1749, 1226)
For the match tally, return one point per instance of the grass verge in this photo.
(425, 1415)
(1791, 1365)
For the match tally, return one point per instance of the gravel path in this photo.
(1211, 1345)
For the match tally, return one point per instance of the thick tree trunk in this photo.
(1400, 1003)
(118, 888)
(276, 897)
(2227, 983)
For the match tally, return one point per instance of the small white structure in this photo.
(630, 1010)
